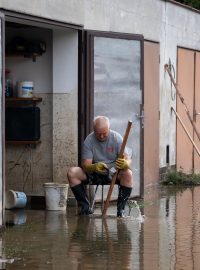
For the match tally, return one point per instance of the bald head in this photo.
(101, 121)
(101, 127)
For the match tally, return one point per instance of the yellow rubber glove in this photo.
(99, 167)
(121, 164)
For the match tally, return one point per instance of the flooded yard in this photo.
(167, 239)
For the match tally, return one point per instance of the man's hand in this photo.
(99, 167)
(121, 164)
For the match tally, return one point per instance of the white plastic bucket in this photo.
(15, 199)
(25, 89)
(56, 196)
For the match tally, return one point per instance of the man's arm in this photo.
(86, 162)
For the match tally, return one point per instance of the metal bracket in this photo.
(141, 117)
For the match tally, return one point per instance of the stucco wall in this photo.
(65, 102)
(161, 21)
(71, 11)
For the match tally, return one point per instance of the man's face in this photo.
(101, 133)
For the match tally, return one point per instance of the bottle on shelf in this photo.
(8, 83)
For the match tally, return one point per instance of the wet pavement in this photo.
(167, 239)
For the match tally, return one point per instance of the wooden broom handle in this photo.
(121, 154)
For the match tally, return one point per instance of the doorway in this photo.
(54, 73)
(114, 87)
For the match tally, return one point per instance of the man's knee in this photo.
(124, 174)
(75, 174)
(126, 177)
(72, 172)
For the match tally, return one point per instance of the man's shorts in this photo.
(99, 179)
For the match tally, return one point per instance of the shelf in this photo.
(23, 142)
(33, 56)
(18, 99)
(22, 101)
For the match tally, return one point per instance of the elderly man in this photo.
(100, 153)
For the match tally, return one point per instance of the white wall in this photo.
(180, 29)
(65, 60)
(24, 69)
(61, 10)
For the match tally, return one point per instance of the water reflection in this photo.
(15, 217)
(173, 223)
(55, 221)
(168, 239)
(102, 243)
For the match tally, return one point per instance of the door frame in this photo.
(148, 179)
(2, 17)
(86, 97)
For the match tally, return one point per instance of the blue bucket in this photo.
(15, 199)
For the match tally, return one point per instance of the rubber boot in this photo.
(81, 197)
(124, 193)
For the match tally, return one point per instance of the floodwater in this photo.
(167, 239)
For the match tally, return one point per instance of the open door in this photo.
(114, 87)
(151, 111)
